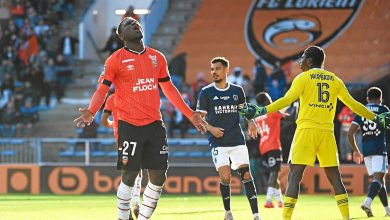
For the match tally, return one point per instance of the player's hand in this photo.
(252, 129)
(86, 118)
(383, 120)
(252, 111)
(357, 157)
(198, 121)
(216, 131)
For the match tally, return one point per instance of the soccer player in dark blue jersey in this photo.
(374, 150)
(220, 103)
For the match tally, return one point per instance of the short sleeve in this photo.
(356, 119)
(163, 74)
(241, 99)
(202, 103)
(110, 69)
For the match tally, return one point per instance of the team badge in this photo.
(125, 160)
(153, 58)
(281, 30)
(235, 97)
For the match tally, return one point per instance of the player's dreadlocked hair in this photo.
(316, 54)
(374, 93)
(223, 60)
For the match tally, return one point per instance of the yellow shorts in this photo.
(309, 143)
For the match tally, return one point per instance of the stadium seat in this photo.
(66, 153)
(79, 154)
(7, 153)
(196, 154)
(179, 154)
(173, 142)
(112, 154)
(98, 153)
(186, 142)
(202, 142)
(208, 154)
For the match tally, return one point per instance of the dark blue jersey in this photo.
(222, 108)
(374, 136)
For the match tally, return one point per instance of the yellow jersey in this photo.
(318, 90)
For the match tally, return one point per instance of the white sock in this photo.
(278, 194)
(149, 201)
(270, 193)
(368, 202)
(387, 209)
(137, 190)
(123, 199)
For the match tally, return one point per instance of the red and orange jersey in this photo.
(110, 108)
(269, 126)
(136, 77)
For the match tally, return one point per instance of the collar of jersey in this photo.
(133, 51)
(227, 87)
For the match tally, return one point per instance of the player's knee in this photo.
(295, 177)
(128, 177)
(157, 177)
(225, 179)
(244, 173)
(378, 180)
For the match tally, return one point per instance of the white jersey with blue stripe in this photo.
(222, 108)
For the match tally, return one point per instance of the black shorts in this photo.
(143, 147)
(273, 159)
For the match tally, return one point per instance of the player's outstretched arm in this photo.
(97, 101)
(354, 105)
(173, 95)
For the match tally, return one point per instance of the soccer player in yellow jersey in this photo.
(317, 90)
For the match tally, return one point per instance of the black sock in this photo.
(374, 188)
(251, 194)
(383, 196)
(225, 193)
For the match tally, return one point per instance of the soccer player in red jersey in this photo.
(270, 148)
(136, 72)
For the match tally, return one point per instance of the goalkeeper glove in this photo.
(383, 119)
(252, 111)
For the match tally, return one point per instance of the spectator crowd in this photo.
(32, 69)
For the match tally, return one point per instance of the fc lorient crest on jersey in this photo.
(280, 30)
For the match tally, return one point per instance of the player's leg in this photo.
(124, 193)
(334, 177)
(293, 186)
(240, 162)
(383, 197)
(302, 153)
(328, 158)
(376, 167)
(274, 160)
(155, 160)
(224, 187)
(222, 164)
(129, 158)
(136, 193)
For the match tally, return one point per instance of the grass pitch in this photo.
(103, 207)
